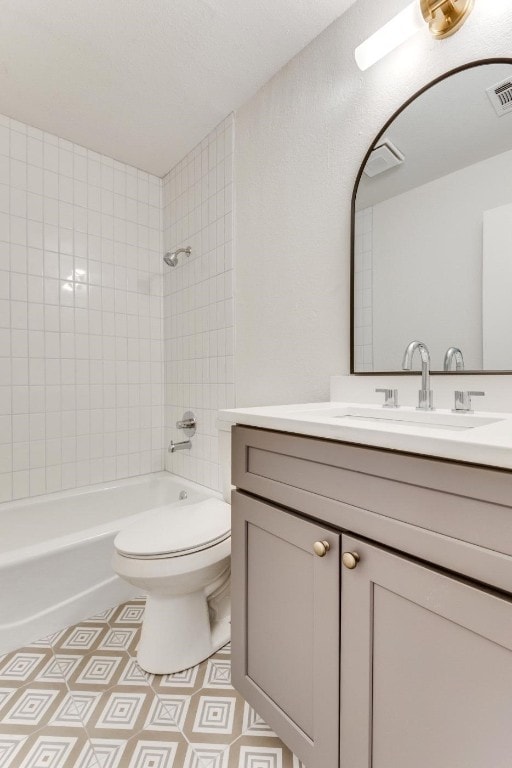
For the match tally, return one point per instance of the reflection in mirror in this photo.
(432, 256)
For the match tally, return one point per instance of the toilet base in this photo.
(180, 631)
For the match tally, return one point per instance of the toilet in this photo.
(180, 558)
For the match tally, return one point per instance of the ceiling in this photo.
(144, 82)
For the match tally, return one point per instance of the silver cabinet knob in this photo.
(350, 560)
(321, 548)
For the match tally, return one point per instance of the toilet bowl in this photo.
(179, 556)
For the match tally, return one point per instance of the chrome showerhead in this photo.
(171, 257)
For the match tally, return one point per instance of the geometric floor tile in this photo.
(78, 699)
(121, 710)
(253, 724)
(9, 748)
(260, 757)
(215, 715)
(118, 639)
(218, 674)
(81, 638)
(49, 752)
(76, 709)
(19, 666)
(109, 752)
(59, 668)
(132, 675)
(130, 613)
(99, 669)
(167, 713)
(30, 707)
(207, 756)
(153, 754)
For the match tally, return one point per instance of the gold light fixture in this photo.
(445, 17)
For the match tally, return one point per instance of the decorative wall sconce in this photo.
(444, 18)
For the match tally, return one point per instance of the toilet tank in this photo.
(224, 431)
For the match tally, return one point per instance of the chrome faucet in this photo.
(425, 395)
(453, 353)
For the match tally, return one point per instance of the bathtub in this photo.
(55, 552)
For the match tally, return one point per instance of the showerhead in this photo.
(171, 257)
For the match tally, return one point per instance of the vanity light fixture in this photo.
(444, 18)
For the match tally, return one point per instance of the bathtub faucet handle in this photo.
(188, 424)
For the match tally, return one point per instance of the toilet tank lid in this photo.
(176, 529)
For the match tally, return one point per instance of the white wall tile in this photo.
(81, 345)
(198, 300)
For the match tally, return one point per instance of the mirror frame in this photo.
(431, 84)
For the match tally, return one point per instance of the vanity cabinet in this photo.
(426, 667)
(401, 653)
(285, 625)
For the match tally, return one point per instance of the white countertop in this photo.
(440, 433)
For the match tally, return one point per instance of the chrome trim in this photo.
(425, 395)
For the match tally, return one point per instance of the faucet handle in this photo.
(463, 401)
(390, 397)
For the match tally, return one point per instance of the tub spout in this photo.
(183, 446)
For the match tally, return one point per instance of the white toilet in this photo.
(180, 558)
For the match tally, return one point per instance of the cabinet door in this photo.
(285, 626)
(426, 667)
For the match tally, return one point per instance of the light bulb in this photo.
(395, 32)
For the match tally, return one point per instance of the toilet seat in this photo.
(176, 530)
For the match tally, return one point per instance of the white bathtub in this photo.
(55, 552)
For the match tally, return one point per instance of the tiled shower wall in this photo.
(81, 364)
(198, 299)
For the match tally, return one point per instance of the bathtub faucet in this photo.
(183, 446)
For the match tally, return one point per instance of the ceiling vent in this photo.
(383, 157)
(501, 97)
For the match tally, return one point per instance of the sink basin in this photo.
(364, 416)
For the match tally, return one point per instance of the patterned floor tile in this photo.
(187, 682)
(59, 668)
(148, 750)
(130, 614)
(76, 709)
(20, 667)
(83, 637)
(134, 675)
(50, 749)
(120, 639)
(214, 716)
(78, 699)
(250, 752)
(254, 725)
(207, 756)
(98, 670)
(31, 708)
(109, 752)
(10, 745)
(168, 713)
(218, 673)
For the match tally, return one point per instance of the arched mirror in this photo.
(432, 229)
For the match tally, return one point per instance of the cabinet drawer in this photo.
(467, 503)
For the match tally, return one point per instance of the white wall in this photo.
(81, 374)
(198, 300)
(427, 265)
(300, 141)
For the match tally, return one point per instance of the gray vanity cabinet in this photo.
(394, 649)
(426, 663)
(285, 625)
